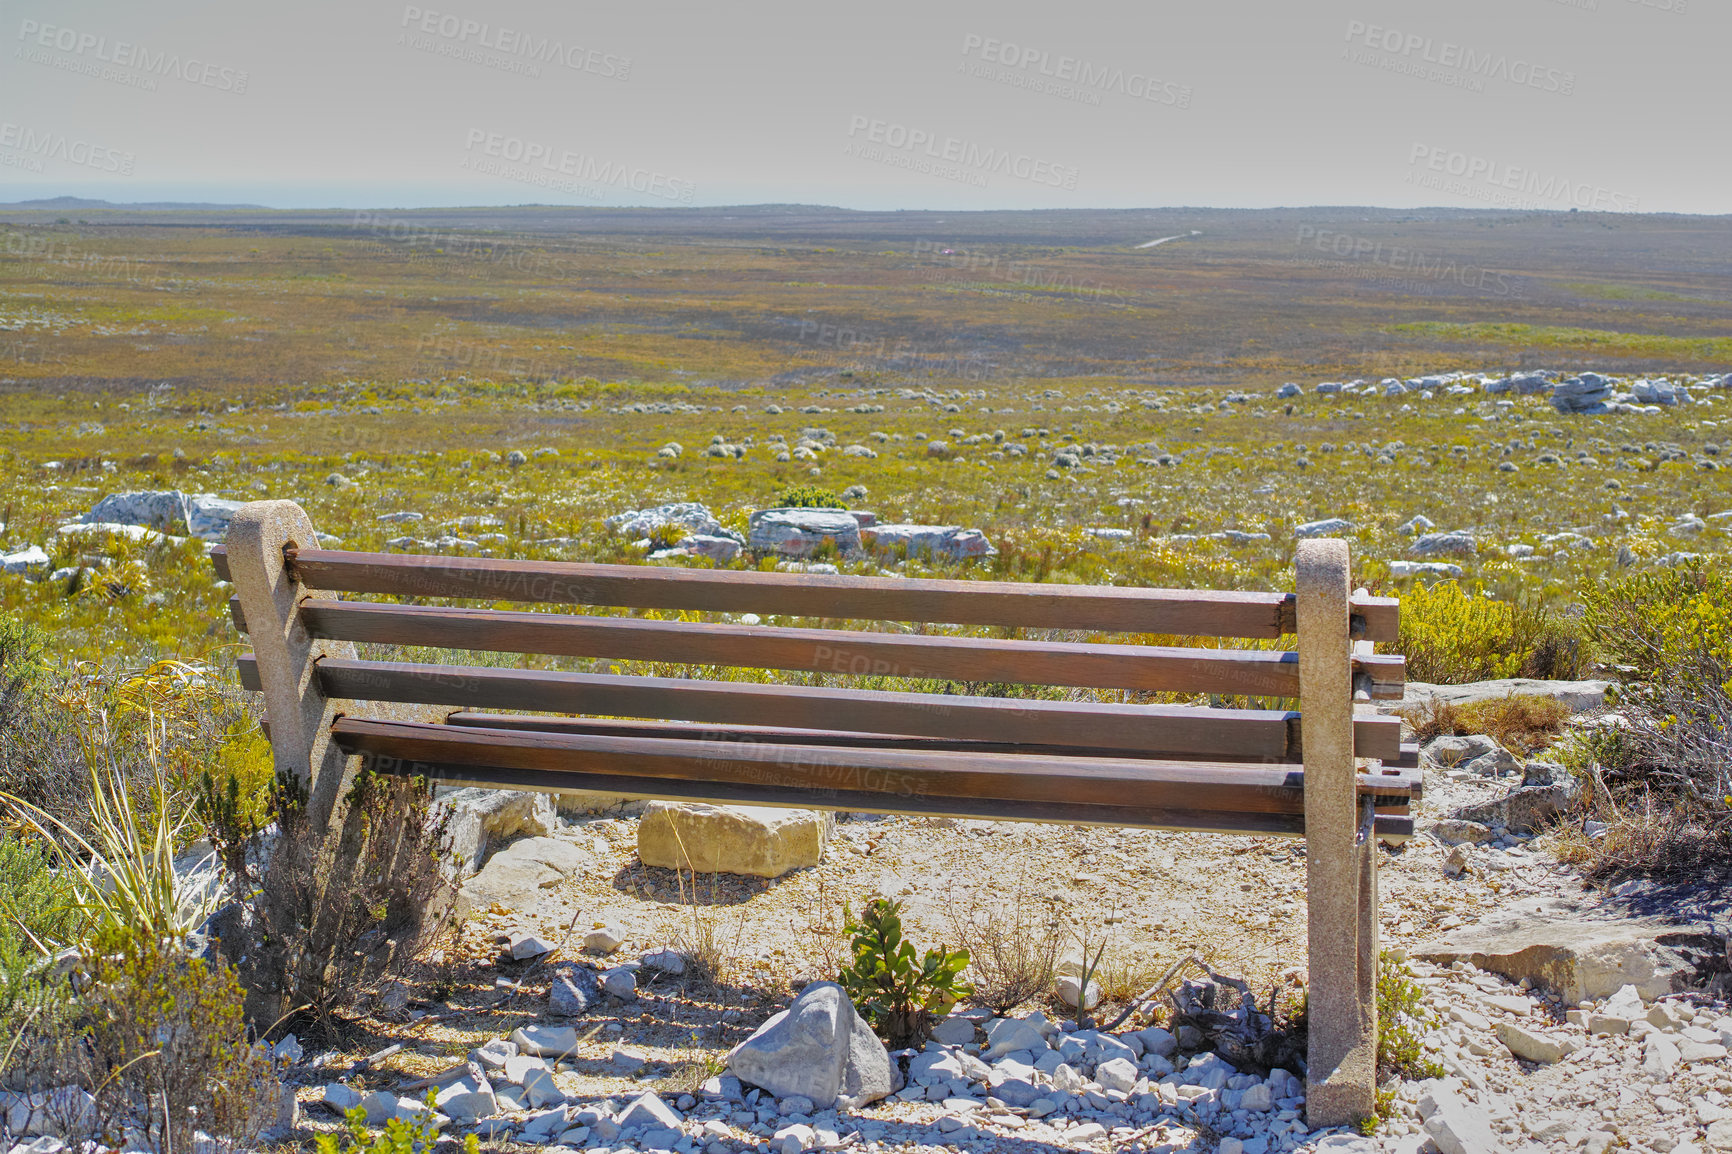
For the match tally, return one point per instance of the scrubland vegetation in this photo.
(365, 375)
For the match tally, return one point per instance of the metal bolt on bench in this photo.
(1330, 772)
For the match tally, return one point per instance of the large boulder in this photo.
(208, 517)
(1572, 951)
(819, 1049)
(1525, 809)
(514, 877)
(164, 510)
(801, 532)
(758, 841)
(481, 819)
(948, 541)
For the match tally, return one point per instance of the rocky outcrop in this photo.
(802, 532)
(1554, 944)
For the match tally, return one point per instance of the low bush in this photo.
(899, 994)
(1400, 1051)
(1451, 636)
(1662, 782)
(1522, 723)
(1013, 947)
(325, 914)
(398, 1136)
(810, 497)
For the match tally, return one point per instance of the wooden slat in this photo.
(1188, 612)
(1259, 673)
(1159, 730)
(1151, 793)
(1150, 730)
(785, 736)
(1266, 673)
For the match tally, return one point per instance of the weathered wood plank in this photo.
(1143, 730)
(1187, 612)
(1172, 795)
(1265, 673)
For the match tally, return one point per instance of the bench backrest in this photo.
(1268, 736)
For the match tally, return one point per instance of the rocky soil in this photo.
(1602, 1027)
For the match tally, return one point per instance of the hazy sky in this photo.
(1597, 104)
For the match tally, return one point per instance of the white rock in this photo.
(1069, 989)
(947, 541)
(620, 982)
(1530, 1046)
(524, 945)
(666, 960)
(1324, 528)
(648, 1110)
(341, 1098)
(1117, 1074)
(1008, 1035)
(515, 876)
(800, 532)
(480, 820)
(1456, 1126)
(545, 1041)
(24, 560)
(467, 1098)
(602, 941)
(954, 1031)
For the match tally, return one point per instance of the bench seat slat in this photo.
(1188, 612)
(1262, 673)
(1019, 786)
(1157, 730)
(1403, 767)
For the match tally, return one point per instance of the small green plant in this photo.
(811, 497)
(667, 535)
(900, 995)
(398, 1136)
(1400, 1052)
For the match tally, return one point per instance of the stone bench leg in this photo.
(300, 715)
(1340, 868)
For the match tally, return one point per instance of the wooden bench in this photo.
(1337, 776)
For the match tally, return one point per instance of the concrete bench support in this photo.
(1340, 859)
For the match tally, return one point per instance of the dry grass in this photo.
(1013, 946)
(1522, 723)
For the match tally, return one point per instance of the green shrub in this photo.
(1662, 783)
(900, 995)
(398, 1136)
(667, 535)
(1400, 1053)
(810, 497)
(37, 907)
(1658, 628)
(1451, 636)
